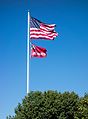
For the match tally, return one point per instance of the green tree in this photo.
(82, 109)
(47, 105)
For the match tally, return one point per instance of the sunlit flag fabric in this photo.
(40, 30)
(37, 51)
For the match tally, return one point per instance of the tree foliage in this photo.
(52, 105)
(82, 109)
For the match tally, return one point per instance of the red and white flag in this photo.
(39, 30)
(37, 51)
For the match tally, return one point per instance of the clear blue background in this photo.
(66, 66)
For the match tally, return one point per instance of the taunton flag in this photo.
(40, 30)
(37, 51)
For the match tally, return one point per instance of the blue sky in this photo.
(66, 66)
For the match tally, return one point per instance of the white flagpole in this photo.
(28, 52)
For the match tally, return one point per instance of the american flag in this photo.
(40, 30)
(37, 51)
